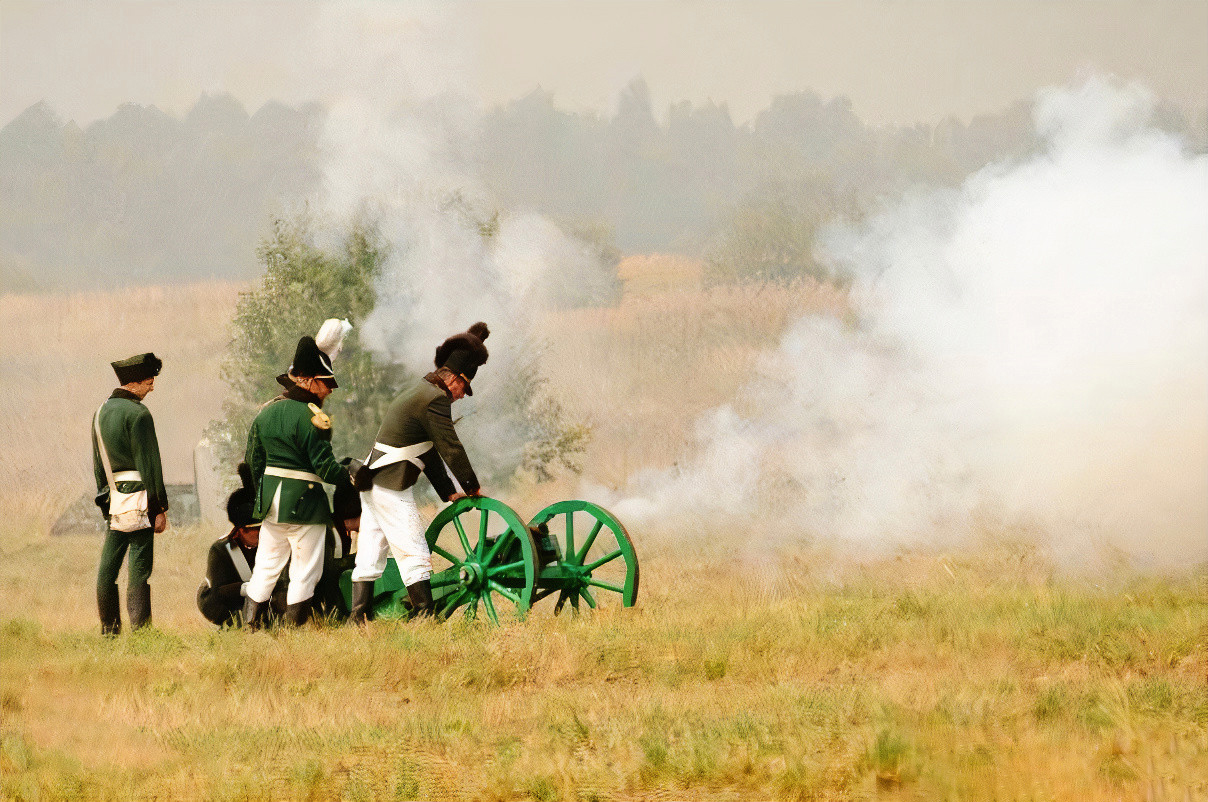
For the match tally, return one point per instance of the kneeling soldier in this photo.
(416, 435)
(289, 452)
(229, 562)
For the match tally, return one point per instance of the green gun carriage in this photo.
(485, 557)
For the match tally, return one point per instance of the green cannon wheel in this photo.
(482, 554)
(595, 559)
(389, 593)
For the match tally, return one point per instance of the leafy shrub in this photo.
(305, 284)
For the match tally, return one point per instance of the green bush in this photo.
(304, 285)
(773, 237)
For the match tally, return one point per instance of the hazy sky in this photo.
(898, 60)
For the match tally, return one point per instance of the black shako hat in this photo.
(242, 503)
(311, 362)
(137, 368)
(464, 353)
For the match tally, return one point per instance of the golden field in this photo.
(977, 673)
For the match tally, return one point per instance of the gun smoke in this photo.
(1030, 352)
(398, 152)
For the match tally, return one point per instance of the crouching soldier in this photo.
(130, 491)
(289, 452)
(229, 562)
(416, 435)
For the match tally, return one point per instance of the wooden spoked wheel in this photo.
(482, 557)
(595, 559)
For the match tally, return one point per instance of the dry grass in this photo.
(655, 363)
(56, 368)
(772, 674)
(928, 676)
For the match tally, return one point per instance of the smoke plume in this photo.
(1031, 350)
(399, 152)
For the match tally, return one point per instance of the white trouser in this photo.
(390, 518)
(301, 545)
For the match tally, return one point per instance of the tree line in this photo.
(143, 196)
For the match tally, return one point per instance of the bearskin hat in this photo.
(464, 353)
(241, 504)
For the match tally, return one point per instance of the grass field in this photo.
(982, 672)
(922, 677)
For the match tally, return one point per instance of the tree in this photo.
(773, 236)
(304, 285)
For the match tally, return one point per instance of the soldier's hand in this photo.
(161, 522)
(352, 526)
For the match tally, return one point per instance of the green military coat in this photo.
(423, 413)
(293, 434)
(130, 441)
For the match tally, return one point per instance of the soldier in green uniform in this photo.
(130, 491)
(289, 452)
(416, 435)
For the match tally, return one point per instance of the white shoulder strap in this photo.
(100, 446)
(389, 455)
(240, 562)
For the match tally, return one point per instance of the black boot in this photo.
(110, 609)
(298, 614)
(362, 602)
(420, 596)
(253, 614)
(138, 604)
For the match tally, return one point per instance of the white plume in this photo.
(330, 338)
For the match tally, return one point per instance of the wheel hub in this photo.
(471, 575)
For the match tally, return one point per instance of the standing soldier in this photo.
(289, 452)
(416, 435)
(130, 491)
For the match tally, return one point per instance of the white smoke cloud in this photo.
(1033, 348)
(398, 150)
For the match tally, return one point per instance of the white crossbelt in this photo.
(290, 473)
(392, 454)
(239, 561)
(127, 476)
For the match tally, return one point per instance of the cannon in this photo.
(485, 557)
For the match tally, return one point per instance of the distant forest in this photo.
(144, 197)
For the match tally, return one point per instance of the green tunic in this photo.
(130, 441)
(419, 414)
(284, 435)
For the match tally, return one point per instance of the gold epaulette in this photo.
(320, 419)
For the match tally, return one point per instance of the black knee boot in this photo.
(110, 609)
(420, 595)
(298, 614)
(362, 602)
(138, 604)
(253, 614)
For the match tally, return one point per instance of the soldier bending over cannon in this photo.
(416, 435)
